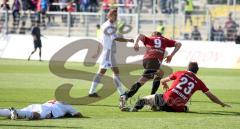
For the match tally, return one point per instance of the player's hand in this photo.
(136, 47)
(168, 59)
(226, 105)
(131, 40)
(165, 88)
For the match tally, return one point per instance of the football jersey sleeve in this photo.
(146, 40)
(173, 76)
(170, 43)
(203, 87)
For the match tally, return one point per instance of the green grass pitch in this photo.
(23, 83)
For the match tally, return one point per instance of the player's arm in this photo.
(136, 44)
(164, 83)
(124, 40)
(215, 99)
(35, 116)
(78, 114)
(177, 46)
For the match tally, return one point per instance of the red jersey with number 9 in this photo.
(183, 87)
(156, 46)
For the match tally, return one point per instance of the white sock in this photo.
(24, 114)
(5, 112)
(95, 82)
(118, 84)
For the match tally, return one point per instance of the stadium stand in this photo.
(205, 16)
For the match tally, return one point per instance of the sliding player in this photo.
(184, 85)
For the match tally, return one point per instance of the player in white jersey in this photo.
(49, 110)
(108, 38)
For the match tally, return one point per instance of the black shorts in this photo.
(151, 66)
(161, 105)
(37, 44)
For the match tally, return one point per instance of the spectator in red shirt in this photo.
(153, 57)
(70, 9)
(184, 85)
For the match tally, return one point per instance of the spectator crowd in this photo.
(19, 9)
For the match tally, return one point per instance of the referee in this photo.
(36, 34)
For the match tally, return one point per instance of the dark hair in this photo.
(98, 26)
(193, 67)
(111, 12)
(156, 33)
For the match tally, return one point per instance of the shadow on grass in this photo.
(221, 113)
(197, 101)
(101, 105)
(39, 126)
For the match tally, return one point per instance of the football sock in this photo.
(140, 104)
(5, 112)
(118, 84)
(155, 86)
(95, 82)
(133, 90)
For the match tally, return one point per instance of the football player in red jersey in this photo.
(153, 57)
(184, 85)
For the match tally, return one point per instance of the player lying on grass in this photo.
(184, 85)
(49, 110)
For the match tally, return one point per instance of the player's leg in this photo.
(117, 81)
(147, 100)
(96, 81)
(120, 89)
(40, 53)
(135, 87)
(5, 113)
(156, 81)
(35, 48)
(27, 112)
(16, 114)
(133, 90)
(151, 66)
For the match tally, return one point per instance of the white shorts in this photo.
(108, 60)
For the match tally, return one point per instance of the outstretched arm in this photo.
(124, 40)
(78, 114)
(215, 99)
(176, 48)
(136, 44)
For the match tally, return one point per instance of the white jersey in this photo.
(108, 34)
(52, 109)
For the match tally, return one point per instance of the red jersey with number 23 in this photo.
(183, 87)
(155, 47)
